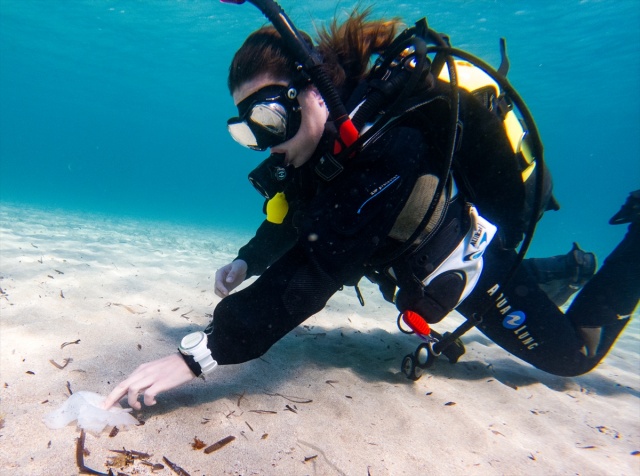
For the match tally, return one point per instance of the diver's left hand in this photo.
(149, 380)
(230, 276)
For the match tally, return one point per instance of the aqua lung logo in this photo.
(513, 320)
(479, 237)
(280, 173)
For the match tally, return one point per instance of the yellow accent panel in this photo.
(526, 173)
(470, 77)
(277, 208)
(514, 131)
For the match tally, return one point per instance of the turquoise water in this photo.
(119, 107)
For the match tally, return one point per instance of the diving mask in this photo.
(268, 117)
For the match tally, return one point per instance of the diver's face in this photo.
(314, 113)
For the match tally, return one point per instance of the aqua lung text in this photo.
(514, 320)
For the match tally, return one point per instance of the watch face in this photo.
(192, 340)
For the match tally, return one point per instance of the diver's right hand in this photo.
(149, 380)
(230, 276)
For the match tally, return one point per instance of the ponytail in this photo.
(347, 48)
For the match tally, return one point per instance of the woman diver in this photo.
(331, 221)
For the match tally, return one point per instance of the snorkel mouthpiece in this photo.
(271, 176)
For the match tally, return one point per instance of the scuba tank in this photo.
(508, 198)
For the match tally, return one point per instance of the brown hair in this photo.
(346, 50)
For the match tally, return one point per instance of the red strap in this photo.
(347, 135)
(416, 322)
(348, 132)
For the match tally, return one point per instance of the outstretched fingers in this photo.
(132, 387)
(115, 396)
(151, 379)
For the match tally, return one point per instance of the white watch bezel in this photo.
(195, 345)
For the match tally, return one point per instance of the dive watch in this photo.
(196, 354)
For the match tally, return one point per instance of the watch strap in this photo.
(207, 364)
(192, 364)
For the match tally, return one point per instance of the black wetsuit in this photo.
(331, 231)
(524, 321)
(334, 229)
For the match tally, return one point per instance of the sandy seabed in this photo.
(329, 399)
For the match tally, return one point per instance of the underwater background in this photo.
(119, 107)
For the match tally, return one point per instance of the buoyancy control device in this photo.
(493, 154)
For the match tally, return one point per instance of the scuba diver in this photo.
(404, 173)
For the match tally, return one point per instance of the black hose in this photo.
(454, 117)
(540, 170)
(537, 144)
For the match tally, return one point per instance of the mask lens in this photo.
(272, 117)
(268, 117)
(242, 134)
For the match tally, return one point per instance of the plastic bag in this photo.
(86, 408)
